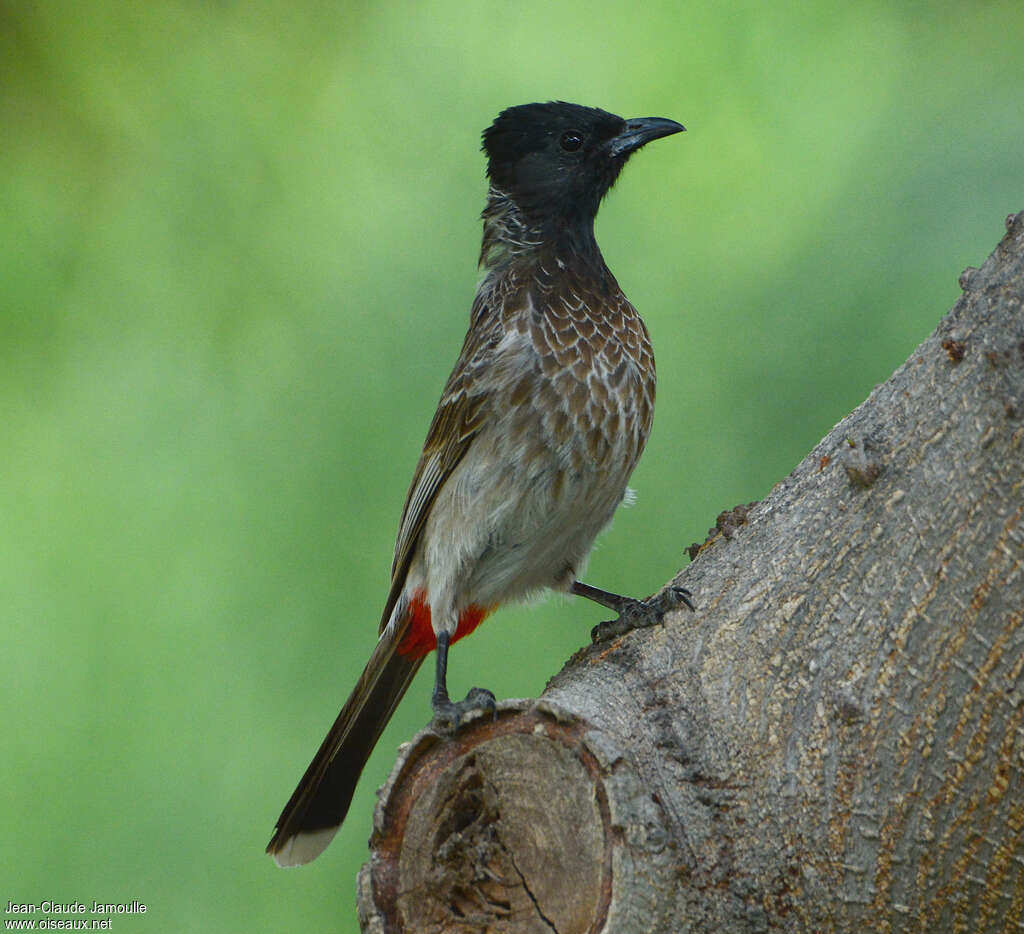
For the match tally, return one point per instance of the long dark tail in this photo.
(319, 804)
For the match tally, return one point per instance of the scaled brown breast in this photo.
(596, 366)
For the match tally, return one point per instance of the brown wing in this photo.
(459, 416)
(320, 801)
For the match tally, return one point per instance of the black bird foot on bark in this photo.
(639, 614)
(449, 715)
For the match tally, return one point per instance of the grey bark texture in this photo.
(834, 741)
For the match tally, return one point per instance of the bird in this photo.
(541, 422)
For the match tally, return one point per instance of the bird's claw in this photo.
(639, 614)
(449, 715)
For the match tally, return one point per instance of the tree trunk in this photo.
(834, 741)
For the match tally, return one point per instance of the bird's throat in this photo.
(510, 235)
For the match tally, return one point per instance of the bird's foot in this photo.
(449, 715)
(639, 614)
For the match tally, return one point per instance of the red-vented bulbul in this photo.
(538, 429)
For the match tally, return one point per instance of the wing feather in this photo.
(460, 414)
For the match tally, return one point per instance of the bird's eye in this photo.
(571, 140)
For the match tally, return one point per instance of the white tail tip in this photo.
(304, 847)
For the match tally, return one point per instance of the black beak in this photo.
(640, 131)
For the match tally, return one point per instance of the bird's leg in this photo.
(633, 614)
(448, 714)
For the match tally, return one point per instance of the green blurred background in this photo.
(237, 255)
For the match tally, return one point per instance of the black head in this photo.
(556, 161)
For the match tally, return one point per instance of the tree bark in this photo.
(834, 741)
